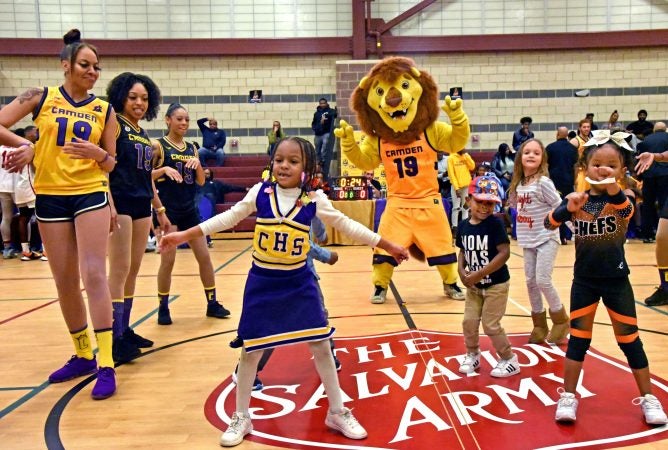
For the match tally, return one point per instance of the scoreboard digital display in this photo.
(349, 188)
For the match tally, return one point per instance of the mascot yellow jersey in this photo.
(410, 170)
(59, 120)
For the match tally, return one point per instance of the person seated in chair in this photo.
(213, 141)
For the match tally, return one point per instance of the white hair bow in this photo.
(600, 137)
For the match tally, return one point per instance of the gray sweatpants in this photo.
(538, 266)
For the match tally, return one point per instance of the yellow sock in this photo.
(104, 342)
(82, 343)
(448, 272)
(382, 274)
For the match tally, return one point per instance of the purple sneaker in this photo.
(74, 368)
(106, 383)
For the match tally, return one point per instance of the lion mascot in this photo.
(397, 108)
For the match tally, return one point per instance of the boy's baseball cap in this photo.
(486, 187)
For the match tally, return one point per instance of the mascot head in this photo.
(396, 101)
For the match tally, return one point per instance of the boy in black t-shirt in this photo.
(485, 248)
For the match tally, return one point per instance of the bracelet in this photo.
(106, 157)
(161, 210)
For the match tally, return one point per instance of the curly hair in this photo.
(308, 157)
(390, 69)
(119, 88)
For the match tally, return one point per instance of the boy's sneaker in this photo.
(453, 291)
(506, 368)
(140, 341)
(346, 423)
(652, 409)
(239, 427)
(123, 350)
(215, 309)
(567, 406)
(8, 253)
(379, 295)
(29, 256)
(105, 386)
(658, 298)
(471, 363)
(164, 318)
(43, 257)
(75, 367)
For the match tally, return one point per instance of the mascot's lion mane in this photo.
(390, 69)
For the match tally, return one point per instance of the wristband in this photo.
(106, 157)
(160, 210)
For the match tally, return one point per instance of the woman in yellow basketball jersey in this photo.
(75, 152)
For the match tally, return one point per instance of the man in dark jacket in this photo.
(322, 125)
(213, 141)
(561, 160)
(523, 133)
(641, 127)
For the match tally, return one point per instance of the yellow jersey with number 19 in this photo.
(60, 119)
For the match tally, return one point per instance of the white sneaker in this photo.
(506, 368)
(471, 363)
(379, 295)
(239, 427)
(346, 423)
(652, 409)
(567, 406)
(453, 291)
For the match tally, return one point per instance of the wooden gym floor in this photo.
(161, 401)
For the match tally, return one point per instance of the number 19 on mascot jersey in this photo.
(397, 108)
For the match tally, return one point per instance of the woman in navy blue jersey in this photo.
(176, 172)
(133, 192)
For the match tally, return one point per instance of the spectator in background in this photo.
(7, 202)
(274, 135)
(443, 180)
(215, 190)
(561, 160)
(641, 127)
(655, 181)
(590, 118)
(613, 122)
(460, 165)
(483, 168)
(24, 196)
(523, 133)
(582, 136)
(213, 141)
(322, 124)
(373, 186)
(503, 164)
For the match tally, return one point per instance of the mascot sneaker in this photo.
(453, 291)
(379, 295)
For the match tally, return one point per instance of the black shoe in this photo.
(658, 298)
(649, 240)
(124, 351)
(215, 309)
(139, 341)
(163, 316)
